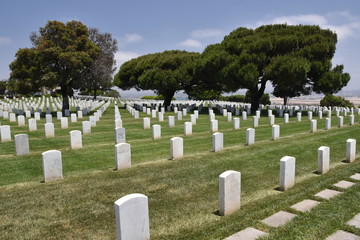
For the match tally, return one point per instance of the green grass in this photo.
(183, 194)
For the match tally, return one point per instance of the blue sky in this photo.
(143, 27)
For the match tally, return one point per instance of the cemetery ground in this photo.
(183, 193)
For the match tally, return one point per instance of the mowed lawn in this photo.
(183, 193)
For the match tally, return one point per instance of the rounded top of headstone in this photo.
(228, 173)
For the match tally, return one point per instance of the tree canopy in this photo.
(165, 73)
(295, 59)
(60, 56)
(99, 75)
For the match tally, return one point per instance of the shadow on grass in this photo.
(217, 213)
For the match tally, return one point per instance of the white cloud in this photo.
(5, 40)
(122, 56)
(191, 43)
(129, 38)
(206, 33)
(343, 23)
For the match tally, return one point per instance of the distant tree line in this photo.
(295, 60)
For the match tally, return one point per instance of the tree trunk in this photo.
(95, 93)
(255, 102)
(285, 100)
(65, 95)
(168, 97)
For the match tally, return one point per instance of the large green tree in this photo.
(61, 55)
(100, 75)
(165, 73)
(295, 59)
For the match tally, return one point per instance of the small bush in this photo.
(158, 97)
(331, 100)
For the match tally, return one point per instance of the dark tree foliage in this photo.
(331, 100)
(60, 56)
(165, 73)
(295, 59)
(99, 75)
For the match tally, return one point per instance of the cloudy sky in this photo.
(143, 27)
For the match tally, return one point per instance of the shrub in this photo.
(331, 100)
(112, 93)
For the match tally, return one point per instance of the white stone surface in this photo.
(64, 123)
(305, 205)
(342, 235)
(146, 123)
(86, 127)
(75, 139)
(214, 126)
(350, 150)
(187, 128)
(236, 123)
(272, 120)
(250, 136)
(286, 118)
(48, 118)
(340, 121)
(12, 117)
(275, 132)
(176, 148)
(132, 217)
(52, 165)
(160, 116)
(179, 115)
(21, 120)
(327, 194)
(278, 219)
(327, 123)
(122, 155)
(118, 123)
(255, 122)
(298, 117)
(73, 117)
(356, 176)
(344, 184)
(5, 132)
(244, 115)
(351, 120)
(193, 119)
(323, 159)
(156, 131)
(21, 144)
(171, 120)
(229, 117)
(49, 130)
(313, 125)
(217, 142)
(120, 135)
(247, 234)
(355, 221)
(287, 173)
(37, 115)
(229, 192)
(32, 124)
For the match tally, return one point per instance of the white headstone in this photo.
(350, 150)
(146, 123)
(193, 119)
(327, 123)
(79, 114)
(5, 133)
(160, 116)
(132, 217)
(58, 115)
(52, 165)
(287, 173)
(214, 126)
(171, 121)
(275, 130)
(250, 136)
(323, 159)
(298, 117)
(92, 120)
(244, 115)
(310, 115)
(286, 118)
(118, 123)
(176, 148)
(229, 117)
(351, 120)
(120, 135)
(179, 115)
(236, 123)
(229, 192)
(75, 139)
(340, 121)
(32, 124)
(12, 117)
(313, 125)
(86, 127)
(73, 117)
(37, 115)
(122, 156)
(48, 118)
(272, 120)
(64, 122)
(217, 142)
(187, 128)
(156, 131)
(49, 130)
(22, 144)
(21, 120)
(255, 121)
